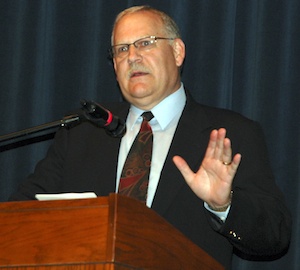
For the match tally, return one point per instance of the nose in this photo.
(133, 54)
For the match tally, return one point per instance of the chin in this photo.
(139, 90)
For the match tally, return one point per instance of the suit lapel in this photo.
(190, 142)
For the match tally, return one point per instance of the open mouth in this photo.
(137, 74)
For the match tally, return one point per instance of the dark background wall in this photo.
(241, 55)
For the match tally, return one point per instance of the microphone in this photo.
(103, 118)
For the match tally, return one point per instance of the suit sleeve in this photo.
(258, 223)
(48, 173)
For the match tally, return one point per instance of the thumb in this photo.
(184, 168)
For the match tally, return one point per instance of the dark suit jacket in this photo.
(84, 158)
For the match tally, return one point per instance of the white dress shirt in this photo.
(163, 126)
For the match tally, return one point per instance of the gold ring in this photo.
(227, 163)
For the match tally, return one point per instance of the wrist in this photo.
(222, 208)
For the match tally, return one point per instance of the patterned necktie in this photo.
(135, 175)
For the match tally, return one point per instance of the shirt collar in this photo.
(164, 112)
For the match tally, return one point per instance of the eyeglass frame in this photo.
(127, 45)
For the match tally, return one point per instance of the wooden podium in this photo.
(113, 232)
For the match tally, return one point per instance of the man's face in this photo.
(147, 77)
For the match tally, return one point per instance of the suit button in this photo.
(235, 235)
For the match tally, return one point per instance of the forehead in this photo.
(136, 25)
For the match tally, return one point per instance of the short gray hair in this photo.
(170, 27)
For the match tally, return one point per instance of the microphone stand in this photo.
(93, 113)
(68, 122)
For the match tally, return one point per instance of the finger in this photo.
(220, 143)
(236, 161)
(227, 151)
(234, 164)
(210, 151)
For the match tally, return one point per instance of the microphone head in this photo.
(117, 128)
(101, 117)
(93, 113)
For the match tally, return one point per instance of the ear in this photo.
(114, 62)
(179, 51)
(115, 68)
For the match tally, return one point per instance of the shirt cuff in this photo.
(220, 215)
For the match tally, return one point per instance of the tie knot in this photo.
(147, 115)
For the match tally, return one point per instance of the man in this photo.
(222, 195)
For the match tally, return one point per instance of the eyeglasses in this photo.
(142, 44)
